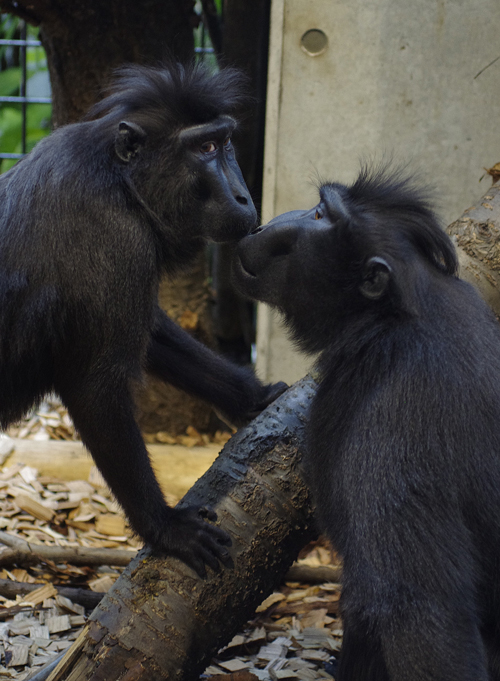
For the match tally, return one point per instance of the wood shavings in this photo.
(49, 422)
(234, 665)
(293, 635)
(17, 654)
(35, 635)
(269, 601)
(316, 618)
(36, 626)
(60, 514)
(110, 524)
(67, 604)
(40, 632)
(293, 647)
(297, 645)
(58, 624)
(40, 595)
(102, 584)
(6, 447)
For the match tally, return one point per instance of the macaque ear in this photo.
(129, 139)
(376, 277)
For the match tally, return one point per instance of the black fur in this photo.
(404, 437)
(89, 221)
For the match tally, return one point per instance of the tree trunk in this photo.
(85, 40)
(477, 238)
(160, 621)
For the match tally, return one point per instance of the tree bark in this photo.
(22, 552)
(160, 621)
(477, 239)
(85, 40)
(10, 589)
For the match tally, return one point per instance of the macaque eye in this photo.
(208, 147)
(227, 142)
(317, 214)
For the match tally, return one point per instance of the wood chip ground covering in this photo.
(295, 633)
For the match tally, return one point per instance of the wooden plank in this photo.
(176, 467)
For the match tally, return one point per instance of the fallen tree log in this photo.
(22, 552)
(89, 599)
(313, 574)
(160, 620)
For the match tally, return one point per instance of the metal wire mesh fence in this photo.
(19, 49)
(25, 103)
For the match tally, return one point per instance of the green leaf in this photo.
(38, 118)
(10, 135)
(36, 59)
(10, 80)
(7, 163)
(8, 26)
(10, 129)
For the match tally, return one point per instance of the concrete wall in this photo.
(397, 77)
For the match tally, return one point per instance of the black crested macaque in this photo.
(89, 222)
(404, 437)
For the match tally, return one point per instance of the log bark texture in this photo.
(10, 589)
(22, 552)
(160, 621)
(477, 238)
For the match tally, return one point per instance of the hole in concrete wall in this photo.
(314, 42)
